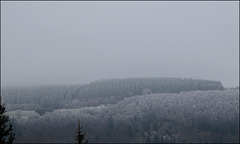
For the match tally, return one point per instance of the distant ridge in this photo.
(99, 92)
(135, 86)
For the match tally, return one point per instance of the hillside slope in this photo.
(98, 92)
(196, 116)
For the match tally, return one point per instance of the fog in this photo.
(78, 42)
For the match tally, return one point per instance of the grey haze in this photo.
(78, 42)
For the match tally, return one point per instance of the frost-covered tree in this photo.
(146, 91)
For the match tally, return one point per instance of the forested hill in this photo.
(193, 117)
(135, 86)
(99, 92)
(126, 110)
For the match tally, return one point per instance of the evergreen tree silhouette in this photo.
(80, 134)
(6, 130)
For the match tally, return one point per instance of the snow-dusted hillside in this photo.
(195, 116)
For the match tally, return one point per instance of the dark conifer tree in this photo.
(6, 131)
(80, 135)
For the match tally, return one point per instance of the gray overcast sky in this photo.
(79, 42)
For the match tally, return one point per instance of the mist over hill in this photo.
(126, 110)
(130, 72)
(99, 92)
(196, 116)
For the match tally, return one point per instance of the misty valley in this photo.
(126, 110)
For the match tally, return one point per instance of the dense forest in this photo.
(98, 92)
(126, 110)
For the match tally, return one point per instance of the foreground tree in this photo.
(6, 131)
(80, 135)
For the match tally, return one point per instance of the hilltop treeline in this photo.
(99, 92)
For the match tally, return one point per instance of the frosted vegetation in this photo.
(98, 92)
(127, 110)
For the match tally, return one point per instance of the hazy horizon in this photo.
(72, 84)
(48, 43)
